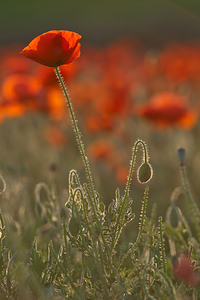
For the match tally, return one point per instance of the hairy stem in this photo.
(194, 210)
(93, 201)
(162, 246)
(78, 137)
(118, 222)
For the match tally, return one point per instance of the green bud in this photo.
(74, 226)
(63, 213)
(174, 217)
(144, 173)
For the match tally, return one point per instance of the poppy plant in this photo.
(54, 48)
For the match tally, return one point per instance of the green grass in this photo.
(57, 245)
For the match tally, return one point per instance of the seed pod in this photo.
(144, 173)
(74, 226)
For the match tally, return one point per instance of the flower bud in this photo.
(173, 216)
(74, 226)
(181, 155)
(144, 173)
(63, 213)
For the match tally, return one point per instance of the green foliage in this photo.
(86, 258)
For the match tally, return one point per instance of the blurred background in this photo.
(138, 77)
(155, 22)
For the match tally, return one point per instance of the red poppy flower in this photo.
(54, 48)
(96, 123)
(20, 87)
(167, 109)
(181, 62)
(184, 270)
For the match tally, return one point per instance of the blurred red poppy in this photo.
(100, 150)
(121, 174)
(112, 101)
(54, 48)
(55, 104)
(96, 123)
(10, 110)
(14, 64)
(181, 62)
(167, 109)
(20, 87)
(184, 270)
(55, 136)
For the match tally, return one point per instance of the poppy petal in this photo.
(54, 48)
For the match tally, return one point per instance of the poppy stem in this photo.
(145, 159)
(78, 135)
(119, 224)
(194, 210)
(85, 160)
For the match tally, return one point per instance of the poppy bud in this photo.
(174, 217)
(74, 226)
(144, 173)
(53, 167)
(181, 155)
(63, 213)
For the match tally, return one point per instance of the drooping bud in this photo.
(173, 216)
(74, 226)
(144, 173)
